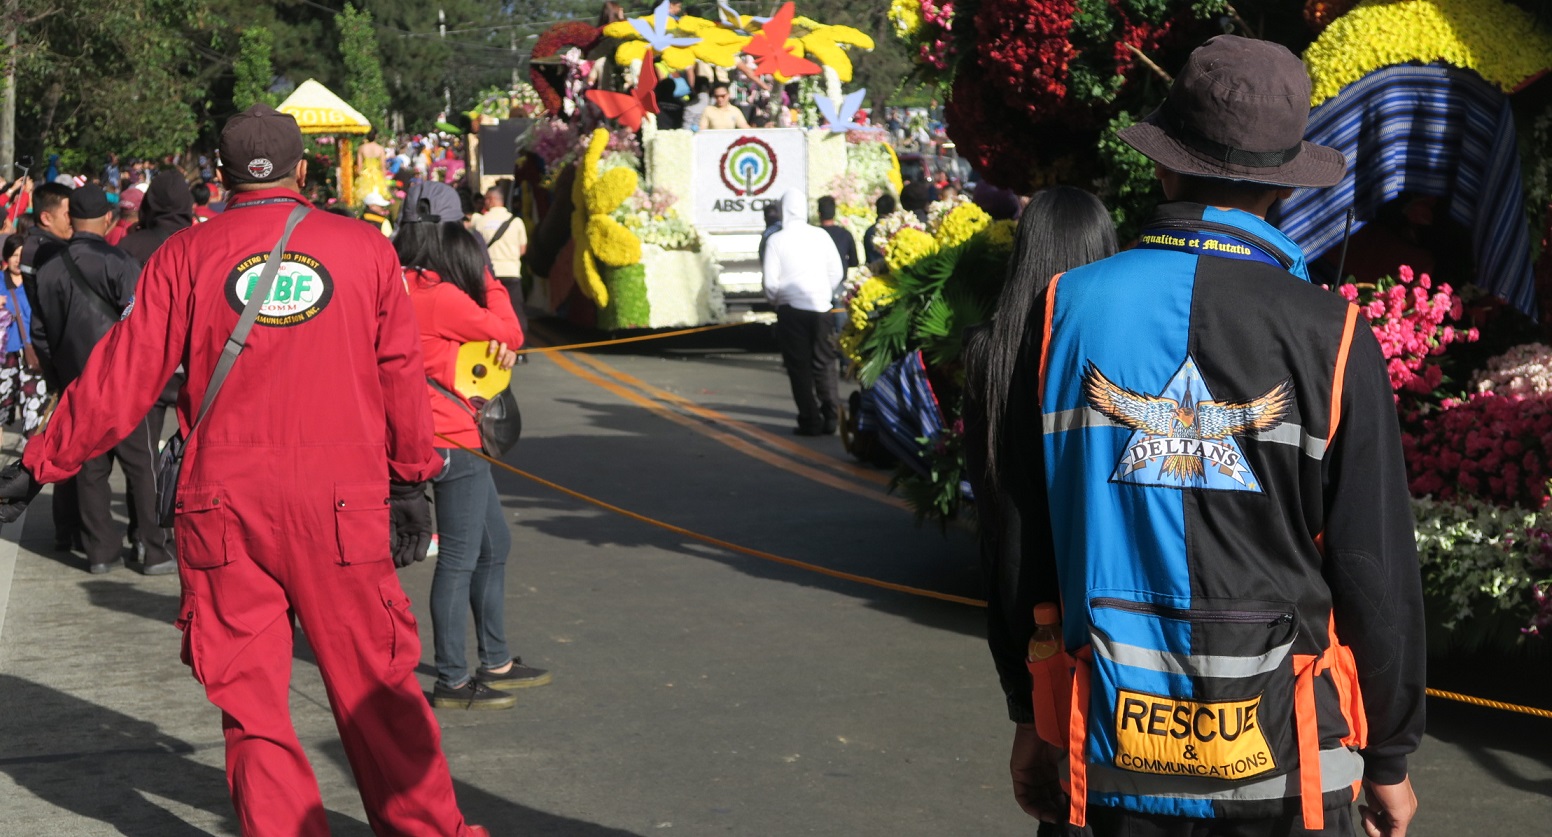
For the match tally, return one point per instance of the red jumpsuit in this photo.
(282, 503)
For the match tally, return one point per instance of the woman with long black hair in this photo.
(458, 301)
(1061, 228)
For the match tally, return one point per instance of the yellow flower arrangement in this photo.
(958, 226)
(596, 237)
(1000, 235)
(907, 247)
(1499, 41)
(907, 18)
(875, 293)
(717, 45)
(896, 179)
(825, 45)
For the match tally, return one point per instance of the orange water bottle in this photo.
(1046, 641)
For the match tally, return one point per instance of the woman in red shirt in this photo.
(458, 301)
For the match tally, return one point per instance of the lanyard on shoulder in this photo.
(264, 202)
(1208, 238)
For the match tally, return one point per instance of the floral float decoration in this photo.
(843, 119)
(678, 43)
(772, 52)
(630, 108)
(555, 62)
(598, 238)
(1470, 34)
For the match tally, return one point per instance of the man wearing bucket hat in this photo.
(314, 451)
(1231, 551)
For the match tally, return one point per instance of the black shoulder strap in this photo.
(502, 230)
(453, 396)
(256, 296)
(114, 312)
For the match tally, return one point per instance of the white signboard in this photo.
(738, 172)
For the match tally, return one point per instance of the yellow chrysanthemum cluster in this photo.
(876, 292)
(1499, 41)
(1000, 235)
(596, 237)
(908, 246)
(964, 221)
(907, 18)
(720, 45)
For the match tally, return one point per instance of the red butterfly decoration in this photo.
(630, 108)
(769, 47)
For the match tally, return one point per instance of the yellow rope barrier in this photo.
(722, 544)
(1490, 704)
(636, 339)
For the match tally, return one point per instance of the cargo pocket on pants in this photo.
(200, 523)
(188, 620)
(403, 632)
(361, 522)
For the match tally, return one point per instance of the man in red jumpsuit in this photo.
(284, 498)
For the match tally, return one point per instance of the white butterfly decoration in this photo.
(845, 120)
(656, 32)
(730, 19)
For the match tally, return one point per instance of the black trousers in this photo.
(1115, 822)
(514, 286)
(136, 457)
(808, 350)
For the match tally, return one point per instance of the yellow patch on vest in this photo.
(1221, 740)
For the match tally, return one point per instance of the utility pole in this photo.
(447, 93)
(514, 59)
(8, 91)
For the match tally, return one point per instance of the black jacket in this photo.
(168, 207)
(69, 319)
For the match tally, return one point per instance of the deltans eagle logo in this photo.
(1184, 438)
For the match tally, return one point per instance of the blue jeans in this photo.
(471, 567)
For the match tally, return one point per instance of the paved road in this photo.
(697, 690)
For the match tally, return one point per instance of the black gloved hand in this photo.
(17, 488)
(409, 515)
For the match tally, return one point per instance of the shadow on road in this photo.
(503, 817)
(99, 764)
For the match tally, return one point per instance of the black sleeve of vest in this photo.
(1024, 568)
(1371, 562)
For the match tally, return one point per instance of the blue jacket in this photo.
(1213, 447)
(21, 313)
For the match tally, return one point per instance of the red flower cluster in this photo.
(1491, 446)
(1025, 50)
(1408, 316)
(553, 42)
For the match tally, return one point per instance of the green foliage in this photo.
(935, 494)
(628, 306)
(364, 87)
(1129, 186)
(253, 72)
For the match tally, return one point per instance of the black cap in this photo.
(260, 144)
(89, 201)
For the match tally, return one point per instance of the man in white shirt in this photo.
(505, 239)
(802, 271)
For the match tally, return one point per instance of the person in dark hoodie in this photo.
(167, 208)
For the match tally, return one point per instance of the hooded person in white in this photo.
(802, 272)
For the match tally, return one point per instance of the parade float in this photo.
(319, 113)
(1447, 125)
(639, 224)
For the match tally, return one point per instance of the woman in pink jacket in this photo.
(458, 301)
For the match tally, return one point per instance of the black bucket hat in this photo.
(1238, 112)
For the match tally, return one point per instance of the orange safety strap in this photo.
(1050, 315)
(1077, 734)
(1306, 667)
(1340, 377)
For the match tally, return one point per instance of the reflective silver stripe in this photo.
(1293, 434)
(1193, 665)
(1283, 434)
(1064, 420)
(1339, 768)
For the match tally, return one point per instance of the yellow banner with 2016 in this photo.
(1219, 740)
